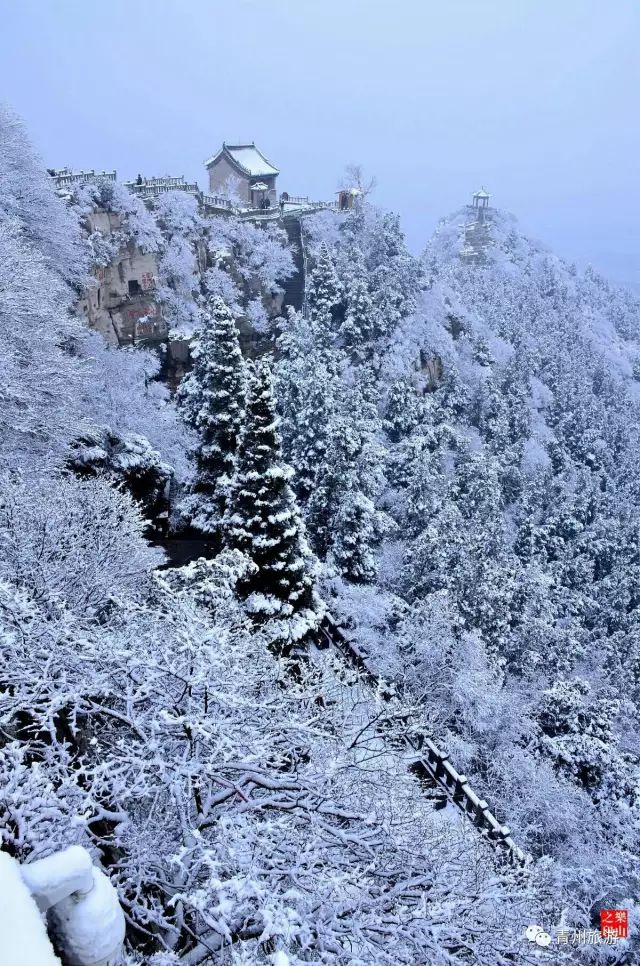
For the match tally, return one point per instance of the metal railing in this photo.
(430, 762)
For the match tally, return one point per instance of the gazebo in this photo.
(481, 198)
(347, 198)
(260, 195)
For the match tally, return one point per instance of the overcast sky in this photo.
(538, 100)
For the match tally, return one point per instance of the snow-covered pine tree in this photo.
(403, 410)
(212, 399)
(395, 275)
(491, 415)
(340, 512)
(306, 378)
(325, 294)
(358, 326)
(356, 534)
(482, 353)
(263, 522)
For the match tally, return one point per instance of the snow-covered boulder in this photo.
(82, 907)
(90, 926)
(24, 936)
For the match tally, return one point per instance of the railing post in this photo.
(439, 770)
(481, 808)
(459, 788)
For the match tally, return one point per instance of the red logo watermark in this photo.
(614, 923)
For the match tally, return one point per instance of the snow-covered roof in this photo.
(260, 186)
(482, 194)
(247, 158)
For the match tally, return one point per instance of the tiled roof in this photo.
(248, 158)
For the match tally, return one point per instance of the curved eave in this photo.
(240, 167)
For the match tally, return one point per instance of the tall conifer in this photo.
(263, 522)
(212, 399)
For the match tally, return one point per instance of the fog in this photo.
(536, 100)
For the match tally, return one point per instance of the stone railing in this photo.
(432, 762)
(150, 182)
(152, 190)
(66, 177)
(293, 200)
(271, 212)
(307, 203)
(276, 212)
(429, 762)
(215, 201)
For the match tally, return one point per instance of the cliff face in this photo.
(154, 266)
(121, 303)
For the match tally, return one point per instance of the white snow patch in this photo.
(24, 937)
(92, 926)
(55, 877)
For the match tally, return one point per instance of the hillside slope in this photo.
(468, 464)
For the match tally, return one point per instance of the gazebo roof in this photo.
(482, 194)
(247, 158)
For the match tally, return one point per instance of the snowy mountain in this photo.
(439, 457)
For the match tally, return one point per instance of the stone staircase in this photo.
(294, 286)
